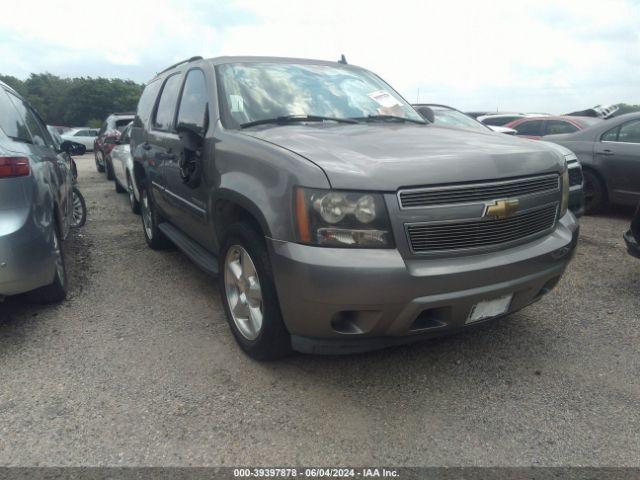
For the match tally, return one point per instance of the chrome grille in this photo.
(478, 192)
(458, 235)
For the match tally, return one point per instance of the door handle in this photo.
(606, 151)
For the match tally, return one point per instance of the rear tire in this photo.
(249, 294)
(150, 221)
(57, 290)
(99, 162)
(595, 193)
(133, 201)
(108, 167)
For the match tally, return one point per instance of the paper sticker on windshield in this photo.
(384, 99)
(237, 103)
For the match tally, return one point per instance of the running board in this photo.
(203, 259)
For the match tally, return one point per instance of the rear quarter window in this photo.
(529, 127)
(146, 103)
(167, 104)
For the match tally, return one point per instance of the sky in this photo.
(516, 55)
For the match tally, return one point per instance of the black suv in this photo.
(107, 138)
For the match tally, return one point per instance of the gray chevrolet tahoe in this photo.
(335, 217)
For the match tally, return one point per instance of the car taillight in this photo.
(14, 167)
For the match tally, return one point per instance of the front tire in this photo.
(150, 220)
(595, 193)
(79, 207)
(119, 188)
(249, 294)
(56, 291)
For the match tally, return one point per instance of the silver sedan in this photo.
(122, 162)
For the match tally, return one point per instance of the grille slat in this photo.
(478, 192)
(480, 233)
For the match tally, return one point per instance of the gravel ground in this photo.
(138, 367)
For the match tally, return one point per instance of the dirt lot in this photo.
(138, 367)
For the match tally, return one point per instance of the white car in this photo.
(85, 136)
(122, 164)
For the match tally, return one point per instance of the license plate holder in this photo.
(490, 308)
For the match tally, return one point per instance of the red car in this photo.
(536, 127)
(107, 137)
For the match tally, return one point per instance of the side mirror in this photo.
(73, 148)
(191, 136)
(426, 113)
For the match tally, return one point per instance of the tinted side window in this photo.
(38, 132)
(630, 132)
(167, 104)
(531, 127)
(193, 103)
(82, 133)
(610, 135)
(558, 126)
(147, 101)
(499, 121)
(10, 121)
(103, 128)
(126, 135)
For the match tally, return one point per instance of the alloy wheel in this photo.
(147, 220)
(77, 210)
(243, 292)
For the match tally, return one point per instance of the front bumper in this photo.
(346, 300)
(27, 261)
(576, 201)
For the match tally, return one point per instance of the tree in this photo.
(76, 101)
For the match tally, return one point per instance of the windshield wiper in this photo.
(283, 120)
(370, 118)
(20, 139)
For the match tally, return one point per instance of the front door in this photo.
(619, 150)
(187, 186)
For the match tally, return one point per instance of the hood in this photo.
(388, 156)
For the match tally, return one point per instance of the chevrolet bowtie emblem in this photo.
(502, 208)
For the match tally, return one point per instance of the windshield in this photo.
(453, 118)
(258, 91)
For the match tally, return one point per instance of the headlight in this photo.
(565, 192)
(335, 218)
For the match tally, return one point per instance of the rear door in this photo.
(119, 156)
(163, 143)
(619, 152)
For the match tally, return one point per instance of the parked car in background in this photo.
(35, 203)
(122, 163)
(632, 236)
(537, 127)
(107, 138)
(78, 205)
(448, 116)
(600, 111)
(499, 119)
(609, 152)
(85, 136)
(337, 219)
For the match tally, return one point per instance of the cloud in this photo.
(526, 55)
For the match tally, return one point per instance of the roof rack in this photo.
(192, 59)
